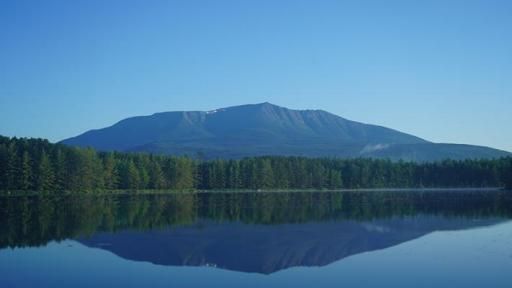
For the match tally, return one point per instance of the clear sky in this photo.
(438, 69)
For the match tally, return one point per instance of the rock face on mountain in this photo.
(270, 248)
(267, 129)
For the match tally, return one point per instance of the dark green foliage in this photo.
(4, 156)
(110, 172)
(45, 174)
(156, 176)
(36, 220)
(13, 172)
(26, 172)
(27, 164)
(507, 173)
(61, 170)
(129, 175)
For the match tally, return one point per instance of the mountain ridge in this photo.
(265, 129)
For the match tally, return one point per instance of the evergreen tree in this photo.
(335, 181)
(142, 163)
(281, 174)
(185, 174)
(110, 172)
(156, 176)
(46, 176)
(26, 181)
(61, 170)
(233, 175)
(507, 173)
(265, 174)
(130, 176)
(3, 166)
(13, 172)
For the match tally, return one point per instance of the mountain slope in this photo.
(266, 129)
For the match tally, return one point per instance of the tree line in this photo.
(37, 164)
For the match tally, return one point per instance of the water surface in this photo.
(356, 239)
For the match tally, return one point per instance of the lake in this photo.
(301, 239)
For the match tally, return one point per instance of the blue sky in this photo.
(441, 70)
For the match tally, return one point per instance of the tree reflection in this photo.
(33, 221)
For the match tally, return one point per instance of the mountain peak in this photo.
(255, 105)
(267, 129)
(265, 104)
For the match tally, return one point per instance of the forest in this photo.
(38, 165)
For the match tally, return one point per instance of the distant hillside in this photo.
(267, 129)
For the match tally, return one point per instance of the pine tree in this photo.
(335, 181)
(3, 166)
(318, 179)
(97, 170)
(143, 177)
(110, 172)
(26, 181)
(507, 172)
(184, 174)
(156, 176)
(61, 171)
(265, 174)
(131, 178)
(233, 177)
(13, 167)
(46, 176)
(281, 173)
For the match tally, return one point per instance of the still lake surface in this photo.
(310, 239)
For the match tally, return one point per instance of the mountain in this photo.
(270, 248)
(267, 129)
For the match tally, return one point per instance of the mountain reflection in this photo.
(250, 232)
(267, 249)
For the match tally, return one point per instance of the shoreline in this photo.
(16, 193)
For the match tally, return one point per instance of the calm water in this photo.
(370, 239)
